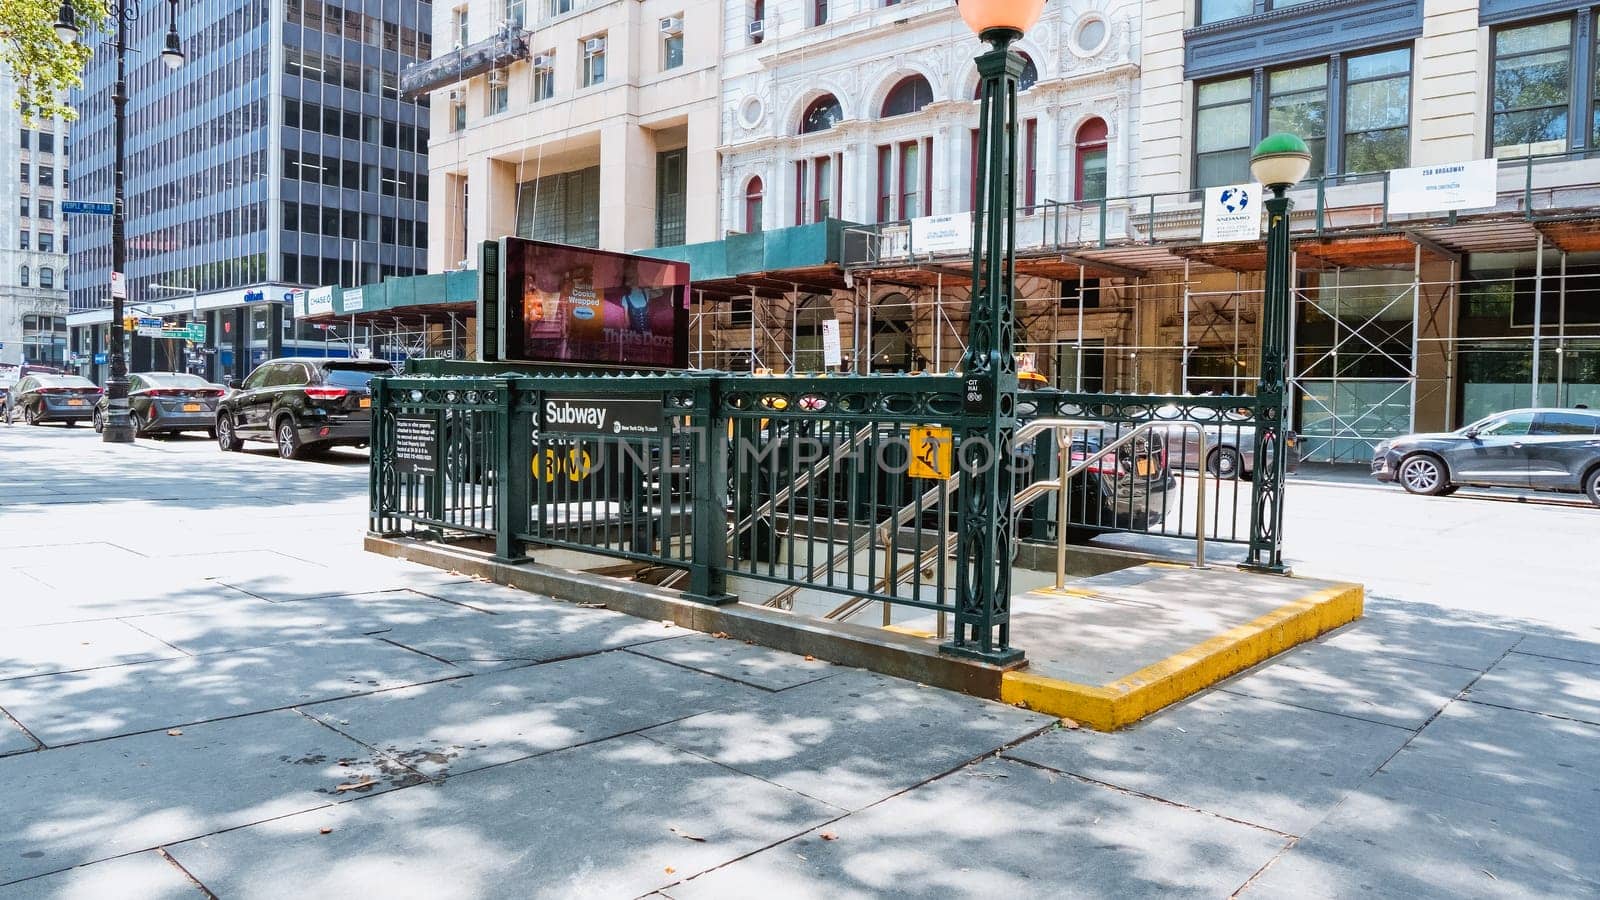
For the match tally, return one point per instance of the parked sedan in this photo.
(167, 402)
(53, 398)
(1537, 449)
(301, 405)
(1230, 448)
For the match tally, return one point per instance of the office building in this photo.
(33, 240)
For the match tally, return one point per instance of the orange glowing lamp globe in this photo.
(988, 16)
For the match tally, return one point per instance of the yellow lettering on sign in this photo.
(575, 464)
(930, 452)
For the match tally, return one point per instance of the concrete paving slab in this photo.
(101, 703)
(854, 738)
(305, 580)
(1557, 687)
(1115, 624)
(45, 649)
(79, 804)
(1562, 648)
(1519, 761)
(86, 598)
(12, 738)
(1389, 842)
(1393, 690)
(546, 631)
(253, 622)
(605, 820)
(1424, 632)
(1001, 829)
(747, 663)
(74, 555)
(1261, 762)
(485, 595)
(457, 726)
(142, 876)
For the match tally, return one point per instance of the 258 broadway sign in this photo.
(600, 415)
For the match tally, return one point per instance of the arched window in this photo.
(1091, 160)
(753, 195)
(1030, 75)
(821, 114)
(47, 277)
(911, 94)
(24, 276)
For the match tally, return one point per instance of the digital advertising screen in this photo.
(574, 306)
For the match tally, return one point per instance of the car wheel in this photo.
(98, 422)
(1223, 462)
(225, 435)
(139, 423)
(288, 439)
(1423, 474)
(1592, 488)
(31, 416)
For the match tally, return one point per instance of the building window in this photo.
(758, 21)
(47, 277)
(27, 209)
(25, 136)
(24, 272)
(544, 75)
(594, 60)
(671, 197)
(672, 42)
(1298, 103)
(821, 114)
(47, 176)
(753, 196)
(1090, 154)
(22, 240)
(47, 209)
(1377, 112)
(1030, 164)
(1222, 10)
(516, 13)
(816, 183)
(47, 242)
(47, 142)
(1222, 132)
(819, 12)
(458, 112)
(1532, 88)
(553, 8)
(25, 175)
(499, 95)
(910, 95)
(461, 27)
(905, 179)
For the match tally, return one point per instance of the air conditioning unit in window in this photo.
(543, 62)
(594, 45)
(758, 28)
(672, 26)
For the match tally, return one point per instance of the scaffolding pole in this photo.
(1538, 312)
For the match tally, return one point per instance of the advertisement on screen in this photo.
(574, 306)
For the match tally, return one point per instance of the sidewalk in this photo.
(206, 683)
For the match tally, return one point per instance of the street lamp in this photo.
(989, 367)
(1279, 162)
(118, 429)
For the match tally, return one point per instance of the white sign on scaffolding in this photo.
(832, 353)
(1232, 213)
(1464, 185)
(319, 301)
(352, 300)
(942, 234)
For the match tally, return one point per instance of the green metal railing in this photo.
(800, 484)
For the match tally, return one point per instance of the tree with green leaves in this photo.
(42, 66)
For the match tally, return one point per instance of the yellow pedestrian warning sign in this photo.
(930, 452)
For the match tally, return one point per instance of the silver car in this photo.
(1230, 447)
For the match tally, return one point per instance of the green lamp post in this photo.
(989, 368)
(1279, 162)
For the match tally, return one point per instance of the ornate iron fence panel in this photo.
(436, 454)
(1154, 489)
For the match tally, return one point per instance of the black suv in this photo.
(301, 405)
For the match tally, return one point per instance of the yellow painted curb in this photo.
(1127, 700)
